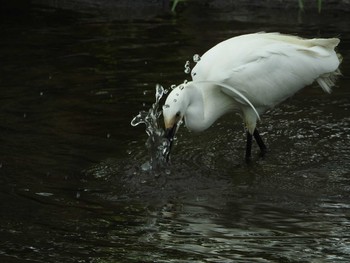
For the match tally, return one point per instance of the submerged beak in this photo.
(169, 135)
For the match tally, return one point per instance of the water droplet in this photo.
(187, 67)
(159, 92)
(196, 58)
(77, 195)
(41, 93)
(24, 115)
(173, 86)
(108, 135)
(139, 118)
(185, 81)
(145, 92)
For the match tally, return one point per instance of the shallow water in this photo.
(72, 188)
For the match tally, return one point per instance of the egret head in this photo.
(174, 110)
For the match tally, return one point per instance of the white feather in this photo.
(257, 71)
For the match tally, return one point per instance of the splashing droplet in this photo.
(139, 118)
(159, 93)
(196, 58)
(187, 67)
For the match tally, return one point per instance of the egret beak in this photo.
(169, 135)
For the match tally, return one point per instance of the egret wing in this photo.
(267, 68)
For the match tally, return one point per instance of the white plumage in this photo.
(249, 74)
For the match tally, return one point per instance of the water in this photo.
(72, 186)
(158, 146)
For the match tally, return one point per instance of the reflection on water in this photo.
(72, 188)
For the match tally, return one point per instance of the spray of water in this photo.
(187, 67)
(157, 145)
(196, 58)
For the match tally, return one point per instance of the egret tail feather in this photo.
(327, 81)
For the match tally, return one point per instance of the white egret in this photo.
(250, 74)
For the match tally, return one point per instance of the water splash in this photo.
(196, 58)
(187, 67)
(157, 145)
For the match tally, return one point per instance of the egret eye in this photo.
(178, 114)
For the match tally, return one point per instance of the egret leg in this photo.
(248, 149)
(260, 142)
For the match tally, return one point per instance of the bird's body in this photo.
(250, 74)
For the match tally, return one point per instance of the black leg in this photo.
(260, 142)
(248, 149)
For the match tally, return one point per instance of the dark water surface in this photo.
(71, 184)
